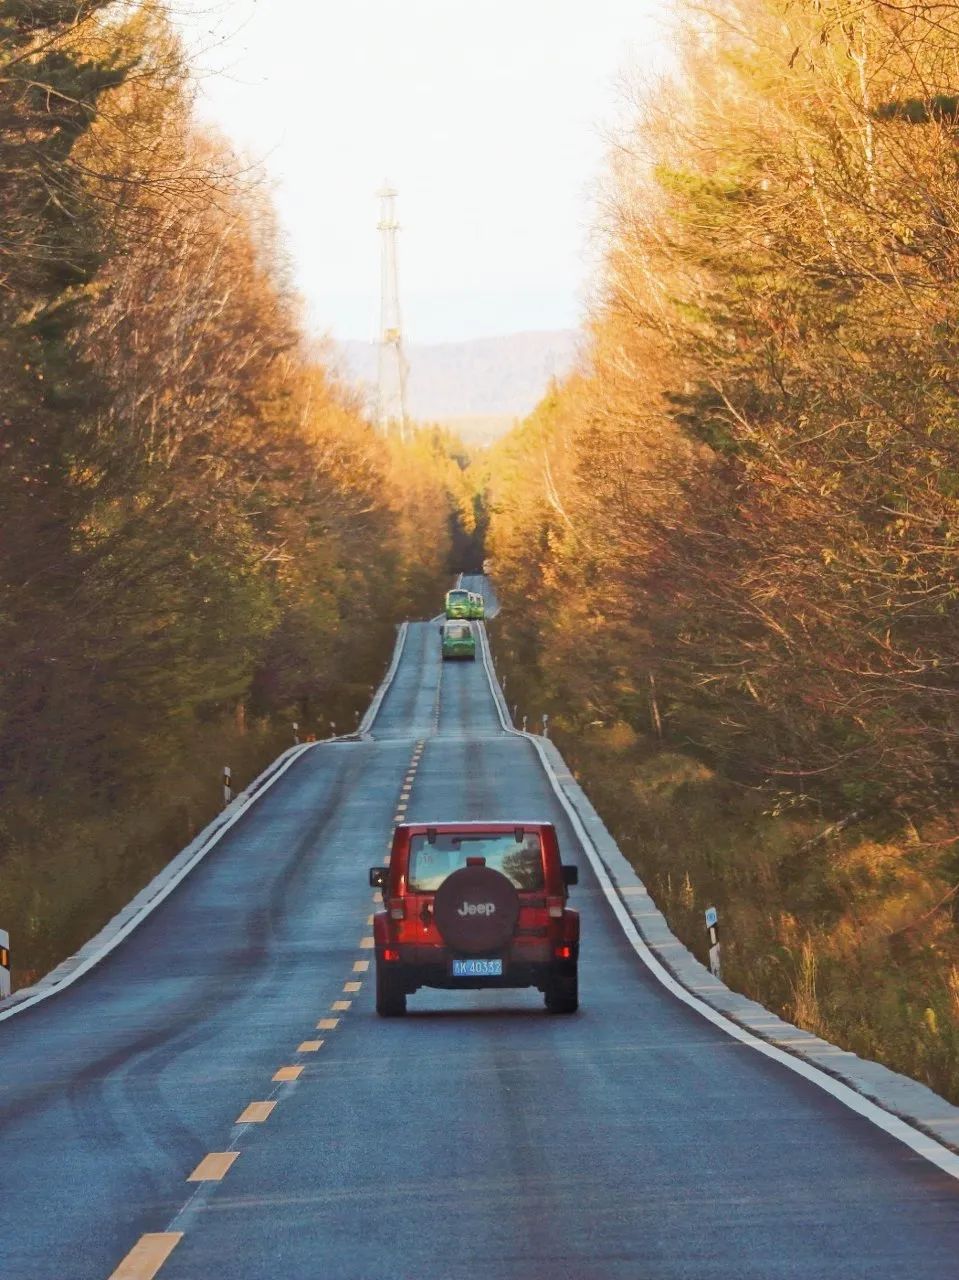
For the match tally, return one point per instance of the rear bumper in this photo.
(432, 967)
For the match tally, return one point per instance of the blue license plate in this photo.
(477, 968)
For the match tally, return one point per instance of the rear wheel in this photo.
(562, 993)
(390, 996)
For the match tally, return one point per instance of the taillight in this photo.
(555, 908)
(397, 908)
(565, 952)
(390, 955)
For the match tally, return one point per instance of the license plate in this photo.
(477, 968)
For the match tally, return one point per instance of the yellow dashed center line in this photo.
(214, 1166)
(151, 1251)
(147, 1256)
(288, 1073)
(407, 786)
(256, 1113)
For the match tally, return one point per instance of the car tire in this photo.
(390, 996)
(562, 993)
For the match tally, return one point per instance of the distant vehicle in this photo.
(458, 603)
(477, 606)
(475, 904)
(458, 640)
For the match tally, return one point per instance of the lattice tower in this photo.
(391, 414)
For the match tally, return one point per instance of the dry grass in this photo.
(839, 934)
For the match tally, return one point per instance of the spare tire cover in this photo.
(476, 909)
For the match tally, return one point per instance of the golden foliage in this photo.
(204, 539)
(735, 529)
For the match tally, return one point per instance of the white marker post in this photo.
(545, 725)
(5, 982)
(712, 924)
(296, 733)
(227, 785)
(524, 724)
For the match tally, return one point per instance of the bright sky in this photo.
(490, 118)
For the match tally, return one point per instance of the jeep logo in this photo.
(477, 909)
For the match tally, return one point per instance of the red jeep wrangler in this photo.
(475, 904)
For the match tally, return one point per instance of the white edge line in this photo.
(160, 896)
(162, 893)
(921, 1143)
(373, 710)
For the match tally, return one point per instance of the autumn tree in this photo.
(204, 539)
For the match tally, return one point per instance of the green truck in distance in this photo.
(458, 640)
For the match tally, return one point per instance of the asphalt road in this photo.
(478, 1137)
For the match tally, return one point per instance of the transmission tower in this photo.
(391, 386)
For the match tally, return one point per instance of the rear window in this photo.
(456, 597)
(459, 632)
(521, 861)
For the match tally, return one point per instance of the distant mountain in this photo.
(481, 386)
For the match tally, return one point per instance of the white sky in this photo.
(490, 118)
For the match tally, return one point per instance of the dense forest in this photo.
(203, 540)
(727, 546)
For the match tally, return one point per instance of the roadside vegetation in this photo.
(727, 547)
(203, 540)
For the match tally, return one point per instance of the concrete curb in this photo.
(373, 710)
(898, 1095)
(903, 1096)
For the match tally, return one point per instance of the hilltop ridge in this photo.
(481, 386)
